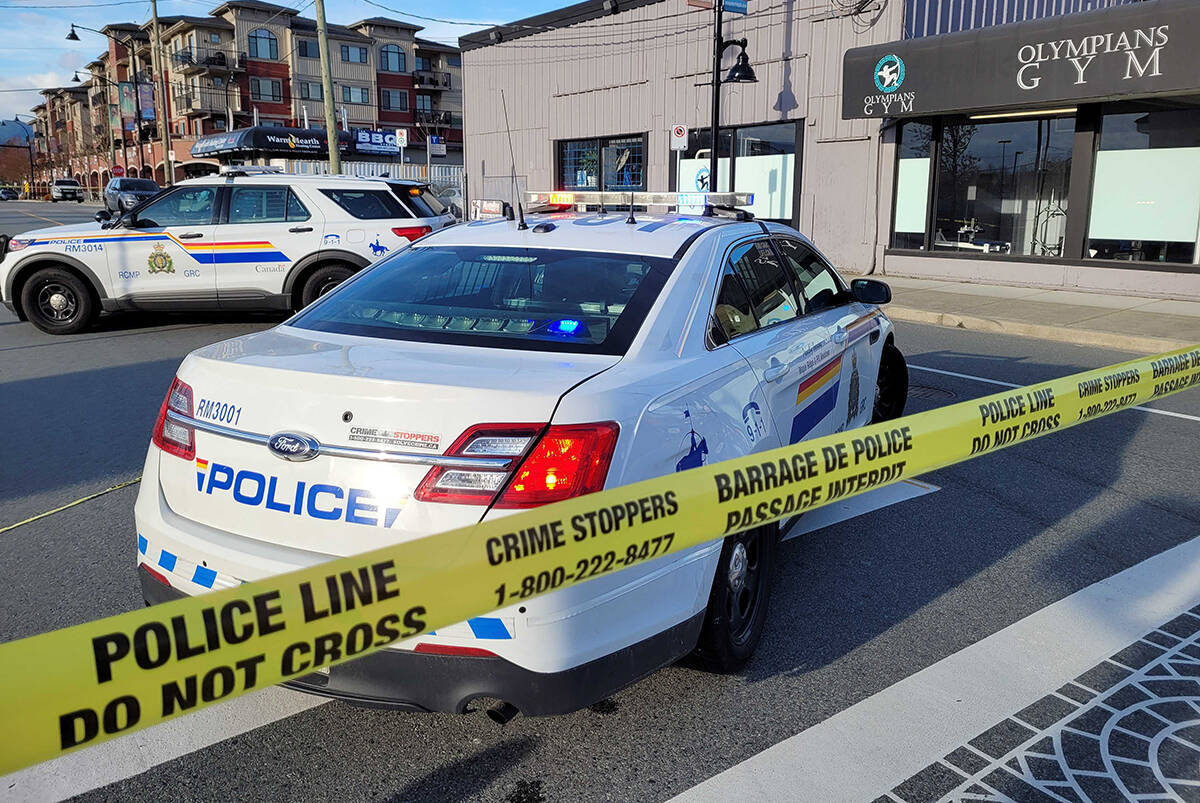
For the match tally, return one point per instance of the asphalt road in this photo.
(856, 608)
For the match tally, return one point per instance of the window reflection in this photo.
(1002, 187)
(1146, 194)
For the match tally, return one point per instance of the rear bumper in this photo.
(406, 680)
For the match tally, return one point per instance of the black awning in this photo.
(1133, 51)
(294, 142)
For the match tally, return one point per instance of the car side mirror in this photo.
(870, 291)
(103, 216)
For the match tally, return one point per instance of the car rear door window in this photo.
(735, 316)
(816, 279)
(772, 296)
(265, 205)
(368, 204)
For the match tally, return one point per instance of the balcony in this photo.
(200, 103)
(429, 79)
(208, 59)
(432, 118)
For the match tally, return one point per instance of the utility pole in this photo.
(158, 64)
(131, 46)
(331, 129)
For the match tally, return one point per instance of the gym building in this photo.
(1048, 143)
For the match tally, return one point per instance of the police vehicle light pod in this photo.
(171, 436)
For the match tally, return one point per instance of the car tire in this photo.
(58, 302)
(322, 280)
(53, 200)
(737, 604)
(891, 389)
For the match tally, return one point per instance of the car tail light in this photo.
(411, 233)
(566, 461)
(470, 486)
(450, 649)
(171, 436)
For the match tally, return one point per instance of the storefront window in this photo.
(765, 164)
(1002, 187)
(617, 164)
(1146, 193)
(912, 185)
(694, 162)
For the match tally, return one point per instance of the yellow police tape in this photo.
(84, 684)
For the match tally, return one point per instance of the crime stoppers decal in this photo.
(82, 685)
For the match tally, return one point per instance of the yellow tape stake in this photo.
(84, 684)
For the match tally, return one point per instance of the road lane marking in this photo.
(127, 756)
(878, 743)
(987, 381)
(79, 501)
(39, 217)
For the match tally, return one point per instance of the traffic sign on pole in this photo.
(736, 6)
(679, 138)
(402, 137)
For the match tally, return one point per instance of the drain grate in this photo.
(928, 392)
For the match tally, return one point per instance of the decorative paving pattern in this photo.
(1127, 729)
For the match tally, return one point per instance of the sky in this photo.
(35, 53)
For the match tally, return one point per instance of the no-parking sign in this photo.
(679, 137)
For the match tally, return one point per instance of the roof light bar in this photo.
(640, 198)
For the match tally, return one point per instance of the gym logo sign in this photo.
(159, 261)
(889, 76)
(889, 73)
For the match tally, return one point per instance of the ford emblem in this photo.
(293, 446)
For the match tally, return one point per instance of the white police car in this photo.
(244, 239)
(489, 368)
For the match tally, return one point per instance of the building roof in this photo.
(388, 22)
(539, 23)
(184, 22)
(335, 31)
(429, 44)
(256, 5)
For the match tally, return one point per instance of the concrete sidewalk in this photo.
(1129, 323)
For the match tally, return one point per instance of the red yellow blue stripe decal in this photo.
(817, 396)
(862, 326)
(230, 252)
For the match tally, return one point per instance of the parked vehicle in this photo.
(244, 239)
(383, 413)
(123, 194)
(66, 189)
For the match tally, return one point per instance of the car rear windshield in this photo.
(420, 200)
(368, 204)
(517, 298)
(138, 185)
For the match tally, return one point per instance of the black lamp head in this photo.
(75, 77)
(72, 36)
(741, 72)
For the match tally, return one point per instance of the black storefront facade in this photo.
(1058, 152)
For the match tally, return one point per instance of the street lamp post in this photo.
(131, 46)
(740, 73)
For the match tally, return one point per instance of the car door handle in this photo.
(839, 336)
(191, 235)
(773, 373)
(299, 229)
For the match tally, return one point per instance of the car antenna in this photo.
(513, 161)
(631, 218)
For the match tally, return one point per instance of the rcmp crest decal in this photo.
(159, 261)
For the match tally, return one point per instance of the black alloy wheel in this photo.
(57, 302)
(737, 604)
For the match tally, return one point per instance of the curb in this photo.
(1079, 337)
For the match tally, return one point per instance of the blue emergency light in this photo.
(566, 326)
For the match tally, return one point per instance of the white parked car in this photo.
(486, 369)
(244, 239)
(66, 189)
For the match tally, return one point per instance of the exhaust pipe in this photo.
(502, 713)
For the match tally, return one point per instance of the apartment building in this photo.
(251, 63)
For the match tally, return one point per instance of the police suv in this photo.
(244, 239)
(504, 364)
